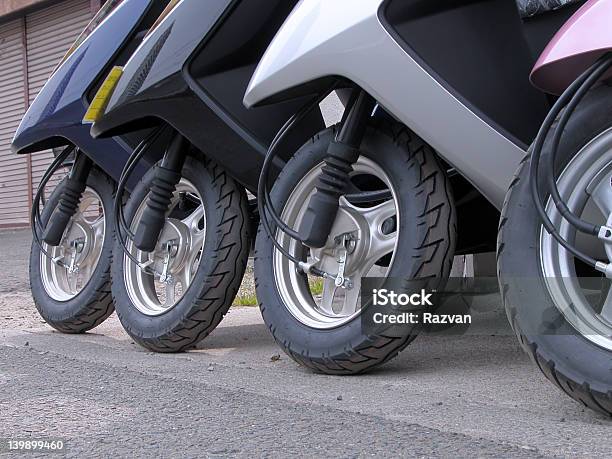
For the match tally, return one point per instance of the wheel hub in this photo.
(77, 246)
(171, 250)
(586, 185)
(169, 270)
(356, 243)
(71, 264)
(345, 247)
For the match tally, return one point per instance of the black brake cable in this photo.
(264, 202)
(576, 90)
(35, 216)
(600, 69)
(119, 218)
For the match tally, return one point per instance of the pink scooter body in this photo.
(578, 44)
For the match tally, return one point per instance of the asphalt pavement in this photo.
(445, 396)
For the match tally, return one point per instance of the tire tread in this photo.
(230, 261)
(577, 390)
(434, 263)
(100, 305)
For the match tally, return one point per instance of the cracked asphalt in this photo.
(445, 396)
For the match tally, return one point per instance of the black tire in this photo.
(427, 248)
(94, 303)
(574, 364)
(219, 274)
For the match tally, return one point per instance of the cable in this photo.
(35, 217)
(119, 218)
(264, 203)
(128, 169)
(53, 167)
(263, 189)
(367, 197)
(534, 172)
(578, 88)
(585, 227)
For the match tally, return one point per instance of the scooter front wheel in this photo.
(560, 308)
(175, 296)
(71, 282)
(410, 236)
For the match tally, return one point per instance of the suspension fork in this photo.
(69, 200)
(167, 177)
(334, 178)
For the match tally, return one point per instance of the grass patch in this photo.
(250, 299)
(316, 285)
(245, 300)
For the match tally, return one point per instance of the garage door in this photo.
(50, 32)
(13, 169)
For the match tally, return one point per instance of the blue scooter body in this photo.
(55, 117)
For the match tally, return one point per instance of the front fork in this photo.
(334, 178)
(167, 177)
(69, 200)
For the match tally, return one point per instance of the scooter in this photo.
(73, 235)
(462, 99)
(183, 235)
(416, 171)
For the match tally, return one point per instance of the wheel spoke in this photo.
(98, 226)
(169, 289)
(87, 271)
(351, 304)
(185, 277)
(602, 196)
(338, 301)
(329, 294)
(376, 271)
(84, 204)
(197, 241)
(377, 215)
(606, 312)
(192, 221)
(380, 246)
(71, 279)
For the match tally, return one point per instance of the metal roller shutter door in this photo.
(50, 32)
(13, 169)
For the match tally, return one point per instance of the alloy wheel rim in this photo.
(175, 260)
(336, 306)
(586, 186)
(71, 264)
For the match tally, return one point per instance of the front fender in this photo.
(349, 39)
(578, 44)
(58, 109)
(152, 77)
(312, 44)
(55, 117)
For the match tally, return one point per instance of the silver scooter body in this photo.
(345, 38)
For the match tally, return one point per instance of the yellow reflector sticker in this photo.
(100, 101)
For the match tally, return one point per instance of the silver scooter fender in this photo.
(348, 39)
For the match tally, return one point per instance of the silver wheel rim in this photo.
(586, 186)
(175, 261)
(336, 306)
(72, 263)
